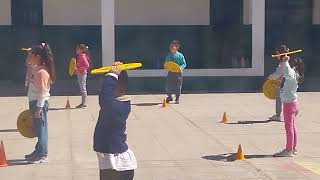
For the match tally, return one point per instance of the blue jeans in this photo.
(41, 127)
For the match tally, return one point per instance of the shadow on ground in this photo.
(146, 104)
(17, 162)
(8, 130)
(60, 109)
(254, 122)
(230, 157)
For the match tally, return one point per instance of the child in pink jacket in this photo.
(82, 66)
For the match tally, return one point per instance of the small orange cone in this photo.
(224, 118)
(240, 155)
(164, 103)
(68, 105)
(3, 159)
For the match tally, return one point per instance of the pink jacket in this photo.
(82, 64)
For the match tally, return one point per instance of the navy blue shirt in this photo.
(109, 134)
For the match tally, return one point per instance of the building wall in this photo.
(164, 12)
(71, 12)
(5, 12)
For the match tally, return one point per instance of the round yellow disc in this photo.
(172, 67)
(106, 69)
(270, 88)
(25, 124)
(72, 66)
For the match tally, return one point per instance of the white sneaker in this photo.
(284, 153)
(275, 118)
(38, 160)
(295, 152)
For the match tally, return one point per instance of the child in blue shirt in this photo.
(174, 80)
(116, 160)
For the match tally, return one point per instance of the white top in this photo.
(119, 162)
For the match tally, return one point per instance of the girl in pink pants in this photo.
(293, 74)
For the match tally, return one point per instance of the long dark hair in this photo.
(46, 57)
(298, 65)
(85, 50)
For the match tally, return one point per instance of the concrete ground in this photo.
(179, 142)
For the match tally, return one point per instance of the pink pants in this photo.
(290, 110)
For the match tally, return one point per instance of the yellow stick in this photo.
(282, 54)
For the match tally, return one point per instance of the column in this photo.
(5, 12)
(258, 36)
(316, 12)
(108, 31)
(247, 12)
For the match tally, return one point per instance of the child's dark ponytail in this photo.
(298, 65)
(44, 51)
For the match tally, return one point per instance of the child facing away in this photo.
(175, 80)
(82, 66)
(278, 75)
(41, 59)
(293, 75)
(116, 160)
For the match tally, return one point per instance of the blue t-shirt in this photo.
(177, 58)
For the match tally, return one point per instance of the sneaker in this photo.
(177, 101)
(284, 153)
(38, 160)
(81, 106)
(275, 118)
(295, 152)
(30, 156)
(169, 98)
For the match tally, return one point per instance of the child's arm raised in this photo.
(107, 94)
(289, 73)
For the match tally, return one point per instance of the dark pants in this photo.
(174, 84)
(111, 174)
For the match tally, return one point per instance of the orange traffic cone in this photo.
(224, 118)
(3, 159)
(164, 103)
(68, 105)
(240, 155)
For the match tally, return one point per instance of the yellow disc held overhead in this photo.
(107, 69)
(25, 124)
(172, 67)
(270, 88)
(72, 66)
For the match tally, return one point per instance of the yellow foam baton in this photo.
(25, 49)
(107, 69)
(282, 54)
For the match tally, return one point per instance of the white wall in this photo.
(162, 12)
(71, 12)
(5, 12)
(316, 12)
